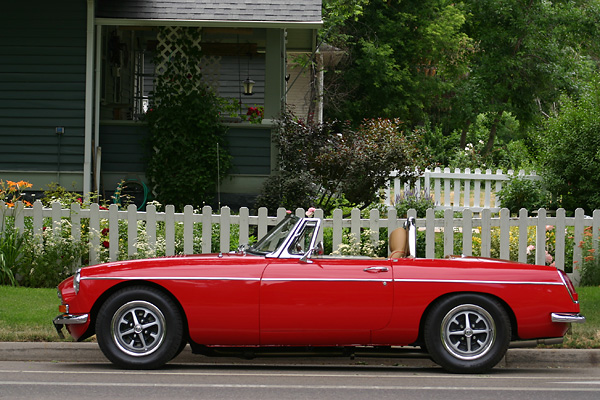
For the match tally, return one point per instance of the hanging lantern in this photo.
(248, 84)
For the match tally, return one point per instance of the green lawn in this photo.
(26, 316)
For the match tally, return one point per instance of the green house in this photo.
(76, 78)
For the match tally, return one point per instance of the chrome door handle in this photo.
(376, 269)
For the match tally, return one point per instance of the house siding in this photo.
(42, 86)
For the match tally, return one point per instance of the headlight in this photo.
(76, 280)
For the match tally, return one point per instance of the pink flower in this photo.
(310, 212)
(530, 249)
(549, 258)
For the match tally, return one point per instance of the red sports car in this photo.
(282, 295)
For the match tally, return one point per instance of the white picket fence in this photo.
(456, 190)
(38, 217)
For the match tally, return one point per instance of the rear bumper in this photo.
(69, 319)
(567, 318)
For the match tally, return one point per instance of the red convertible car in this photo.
(283, 296)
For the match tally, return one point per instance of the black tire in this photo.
(473, 347)
(139, 328)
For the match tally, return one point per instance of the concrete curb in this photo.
(90, 353)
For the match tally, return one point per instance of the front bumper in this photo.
(69, 319)
(567, 318)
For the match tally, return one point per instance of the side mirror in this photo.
(317, 249)
(306, 257)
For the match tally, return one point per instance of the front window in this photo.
(275, 238)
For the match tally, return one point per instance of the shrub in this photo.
(333, 161)
(570, 151)
(186, 139)
(520, 192)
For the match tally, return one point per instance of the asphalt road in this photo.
(52, 380)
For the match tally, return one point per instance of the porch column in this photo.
(89, 99)
(274, 73)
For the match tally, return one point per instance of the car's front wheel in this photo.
(467, 333)
(139, 328)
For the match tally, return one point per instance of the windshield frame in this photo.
(277, 234)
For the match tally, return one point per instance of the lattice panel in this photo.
(172, 46)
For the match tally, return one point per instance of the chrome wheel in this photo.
(468, 332)
(138, 328)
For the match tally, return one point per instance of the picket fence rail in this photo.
(96, 218)
(457, 190)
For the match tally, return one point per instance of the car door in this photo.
(325, 301)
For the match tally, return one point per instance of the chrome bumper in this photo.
(68, 319)
(567, 318)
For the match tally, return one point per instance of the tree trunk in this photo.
(490, 143)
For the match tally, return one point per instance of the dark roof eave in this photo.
(210, 23)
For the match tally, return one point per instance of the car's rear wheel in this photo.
(139, 328)
(467, 333)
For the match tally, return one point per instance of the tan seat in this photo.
(398, 242)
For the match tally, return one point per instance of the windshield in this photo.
(275, 237)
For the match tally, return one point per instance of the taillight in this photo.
(569, 285)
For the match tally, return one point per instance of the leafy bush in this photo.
(570, 151)
(332, 161)
(186, 138)
(50, 257)
(520, 192)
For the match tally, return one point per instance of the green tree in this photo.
(402, 58)
(528, 53)
(570, 150)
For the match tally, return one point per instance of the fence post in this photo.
(206, 229)
(467, 232)
(540, 238)
(170, 230)
(457, 187)
(578, 237)
(560, 236)
(430, 233)
(151, 227)
(467, 190)
(225, 229)
(448, 232)
(94, 232)
(262, 222)
(505, 234)
(113, 232)
(337, 229)
(244, 220)
(486, 232)
(188, 230)
(132, 236)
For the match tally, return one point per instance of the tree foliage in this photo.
(570, 150)
(446, 62)
(321, 165)
(186, 139)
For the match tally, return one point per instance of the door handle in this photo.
(376, 269)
